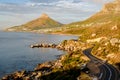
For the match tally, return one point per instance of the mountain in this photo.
(113, 7)
(43, 22)
(104, 23)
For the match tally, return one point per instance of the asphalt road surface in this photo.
(107, 71)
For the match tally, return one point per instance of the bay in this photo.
(15, 53)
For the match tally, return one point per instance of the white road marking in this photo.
(100, 75)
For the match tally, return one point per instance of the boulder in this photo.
(113, 41)
(44, 67)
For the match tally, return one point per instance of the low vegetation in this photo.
(38, 25)
(101, 31)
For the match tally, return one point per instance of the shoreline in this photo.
(39, 69)
(43, 33)
(47, 67)
(63, 66)
(64, 34)
(31, 71)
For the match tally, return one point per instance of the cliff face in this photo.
(113, 7)
(44, 21)
(104, 23)
(109, 11)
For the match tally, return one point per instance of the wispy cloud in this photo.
(102, 1)
(32, 5)
(65, 11)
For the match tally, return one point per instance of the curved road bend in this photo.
(107, 71)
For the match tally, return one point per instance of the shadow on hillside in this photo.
(118, 65)
(71, 74)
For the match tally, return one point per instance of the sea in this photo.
(16, 54)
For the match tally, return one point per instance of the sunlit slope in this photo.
(106, 22)
(40, 23)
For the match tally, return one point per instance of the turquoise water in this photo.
(15, 53)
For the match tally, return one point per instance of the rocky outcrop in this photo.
(47, 66)
(114, 41)
(39, 71)
(96, 39)
(66, 45)
(114, 57)
(71, 45)
(43, 45)
(24, 75)
(113, 7)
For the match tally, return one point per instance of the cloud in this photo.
(34, 5)
(64, 11)
(98, 2)
(43, 1)
(102, 1)
(66, 4)
(82, 6)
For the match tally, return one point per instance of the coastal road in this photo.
(107, 71)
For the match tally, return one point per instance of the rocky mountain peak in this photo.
(117, 0)
(44, 15)
(43, 22)
(113, 7)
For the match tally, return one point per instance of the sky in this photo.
(17, 12)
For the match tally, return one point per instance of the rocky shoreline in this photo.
(43, 45)
(41, 69)
(59, 46)
(71, 66)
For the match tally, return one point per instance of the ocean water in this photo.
(15, 53)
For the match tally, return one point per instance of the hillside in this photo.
(43, 22)
(101, 32)
(104, 23)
